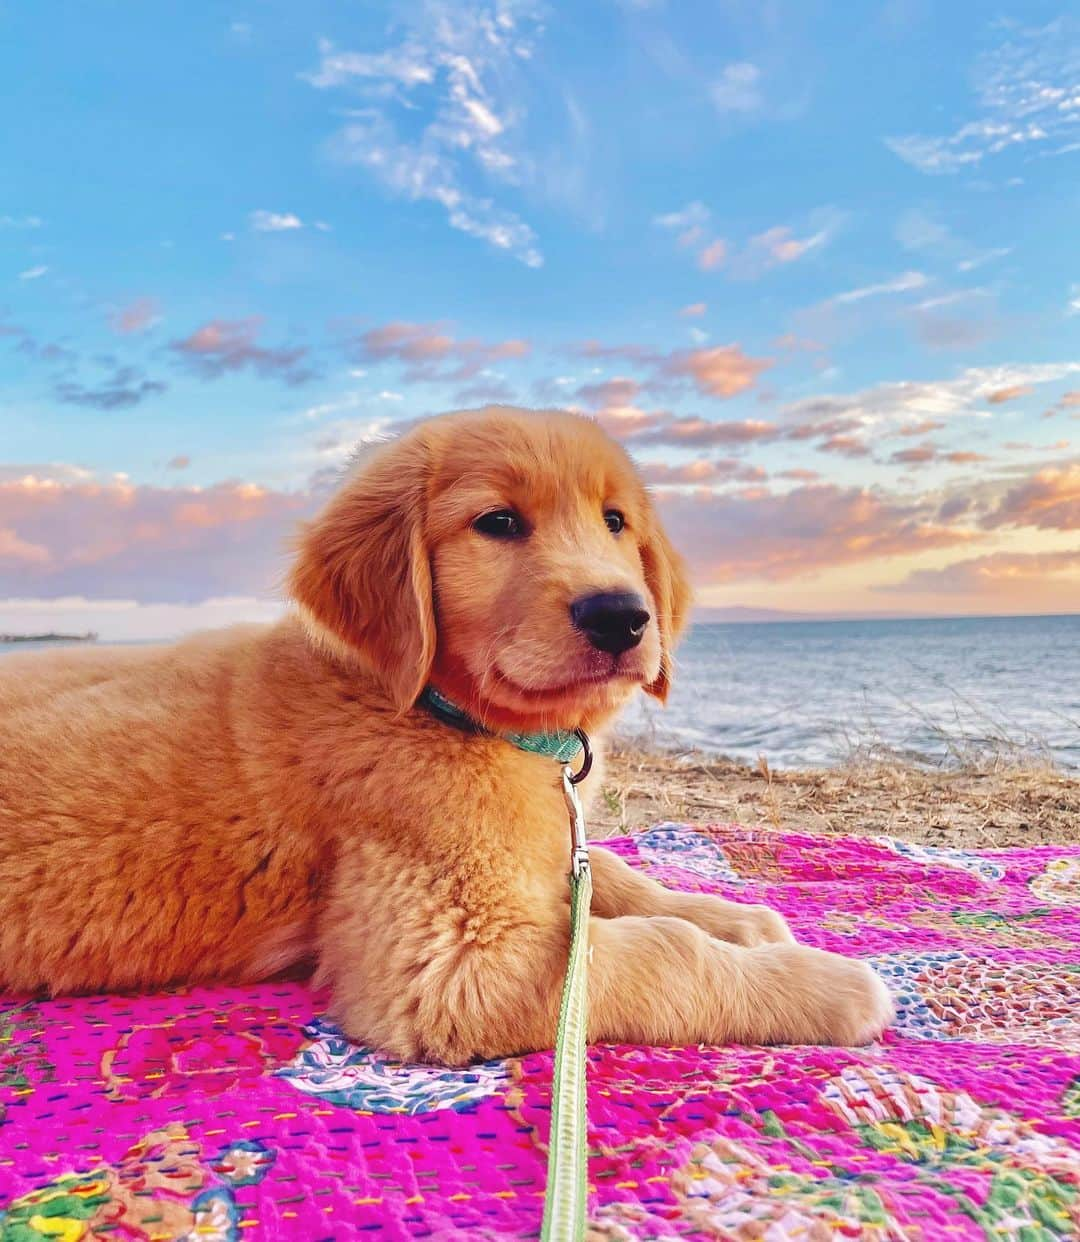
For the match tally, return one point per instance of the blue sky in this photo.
(817, 265)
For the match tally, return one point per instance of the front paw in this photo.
(808, 996)
(742, 924)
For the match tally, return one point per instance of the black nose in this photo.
(611, 621)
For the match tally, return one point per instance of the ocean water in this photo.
(813, 693)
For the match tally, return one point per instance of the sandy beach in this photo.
(974, 807)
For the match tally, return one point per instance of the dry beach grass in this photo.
(979, 804)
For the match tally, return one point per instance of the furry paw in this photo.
(806, 996)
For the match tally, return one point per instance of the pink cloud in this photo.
(1049, 500)
(18, 552)
(922, 428)
(702, 433)
(628, 422)
(630, 353)
(409, 342)
(222, 346)
(773, 248)
(701, 472)
(75, 536)
(694, 310)
(999, 574)
(720, 371)
(712, 255)
(921, 454)
(137, 316)
(845, 446)
(782, 246)
(424, 346)
(1001, 395)
(781, 536)
(837, 426)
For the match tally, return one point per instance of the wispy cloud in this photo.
(909, 401)
(845, 446)
(274, 221)
(1012, 393)
(694, 215)
(702, 472)
(737, 88)
(983, 257)
(222, 346)
(34, 273)
(919, 229)
(690, 226)
(469, 63)
(918, 455)
(718, 371)
(780, 245)
(701, 433)
(1027, 90)
(136, 316)
(939, 331)
(432, 354)
(997, 577)
(692, 229)
(903, 283)
(125, 388)
(712, 255)
(21, 222)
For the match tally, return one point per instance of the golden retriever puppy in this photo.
(249, 801)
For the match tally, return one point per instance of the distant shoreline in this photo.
(708, 615)
(89, 637)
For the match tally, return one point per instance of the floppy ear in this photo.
(669, 584)
(362, 574)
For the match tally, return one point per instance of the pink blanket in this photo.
(220, 1113)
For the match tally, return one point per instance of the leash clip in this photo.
(579, 845)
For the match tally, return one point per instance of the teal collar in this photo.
(560, 744)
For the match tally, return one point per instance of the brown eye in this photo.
(615, 520)
(500, 524)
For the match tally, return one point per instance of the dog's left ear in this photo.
(362, 575)
(669, 584)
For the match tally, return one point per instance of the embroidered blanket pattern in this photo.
(214, 1114)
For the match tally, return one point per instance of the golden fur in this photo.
(258, 799)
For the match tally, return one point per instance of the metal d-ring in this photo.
(586, 763)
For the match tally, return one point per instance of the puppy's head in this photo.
(511, 559)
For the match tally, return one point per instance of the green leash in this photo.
(566, 1199)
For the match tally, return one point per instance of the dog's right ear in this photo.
(362, 574)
